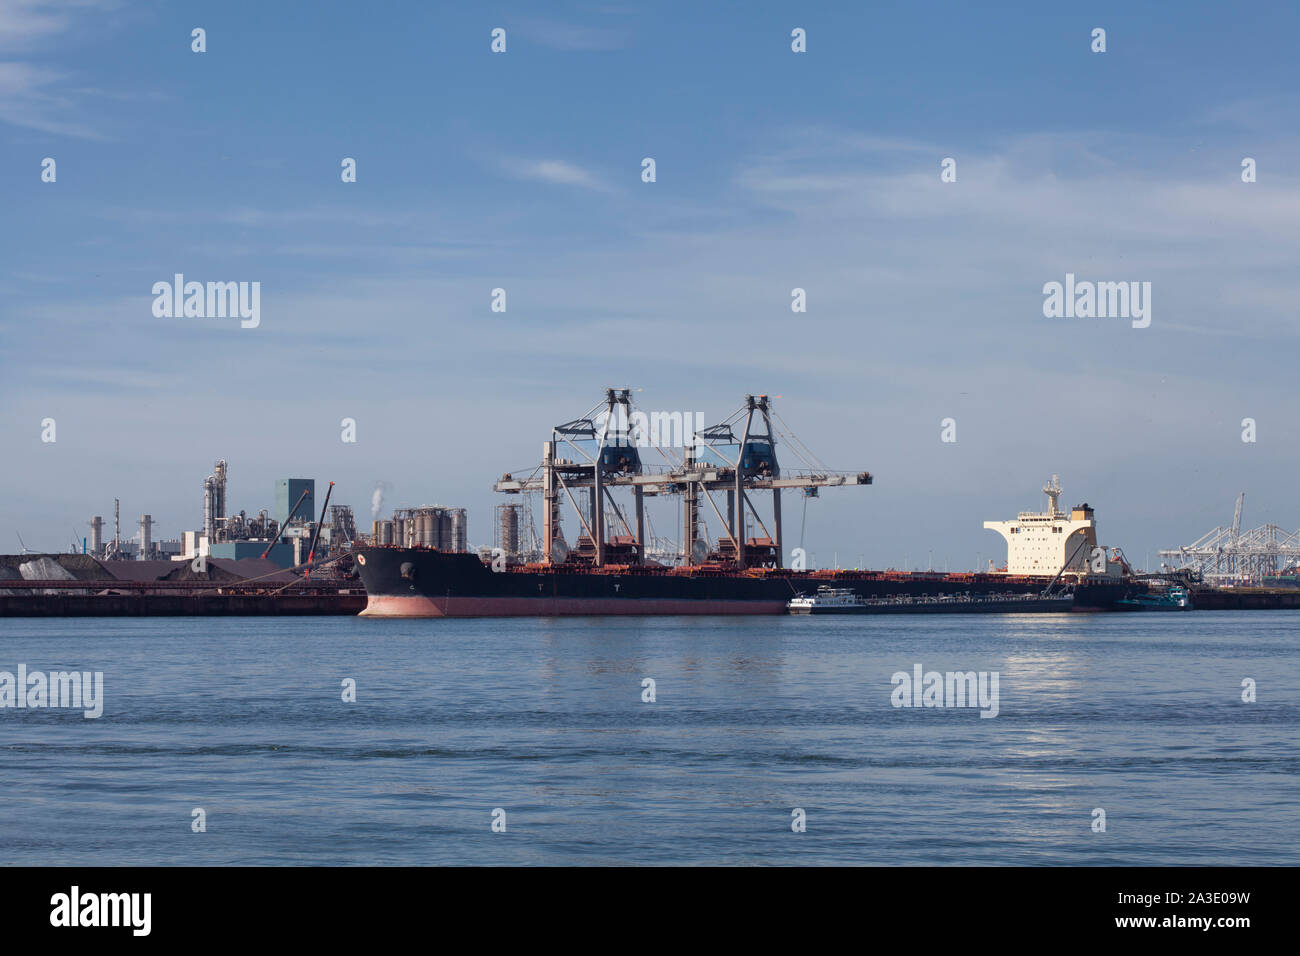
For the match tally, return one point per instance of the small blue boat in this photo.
(1174, 599)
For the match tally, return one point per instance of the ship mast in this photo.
(1053, 491)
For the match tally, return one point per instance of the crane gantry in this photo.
(736, 457)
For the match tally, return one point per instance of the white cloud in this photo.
(34, 97)
(29, 98)
(23, 21)
(555, 171)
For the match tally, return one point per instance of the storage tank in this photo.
(443, 518)
(510, 529)
(459, 530)
(146, 537)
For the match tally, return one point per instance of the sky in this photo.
(775, 170)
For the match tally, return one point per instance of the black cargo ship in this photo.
(593, 456)
(423, 582)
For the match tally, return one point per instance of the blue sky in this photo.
(775, 170)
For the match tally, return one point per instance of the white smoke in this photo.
(376, 501)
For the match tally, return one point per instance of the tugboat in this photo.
(829, 600)
(1174, 599)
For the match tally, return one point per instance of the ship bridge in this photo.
(1051, 541)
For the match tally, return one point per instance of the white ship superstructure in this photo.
(1052, 541)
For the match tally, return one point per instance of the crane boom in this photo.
(292, 511)
(311, 552)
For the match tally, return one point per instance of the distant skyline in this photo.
(774, 171)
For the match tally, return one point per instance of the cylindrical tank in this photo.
(459, 530)
(97, 535)
(510, 529)
(385, 532)
(146, 537)
(443, 519)
(399, 531)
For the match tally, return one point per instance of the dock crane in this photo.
(736, 457)
(311, 551)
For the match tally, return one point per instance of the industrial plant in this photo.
(283, 535)
(289, 559)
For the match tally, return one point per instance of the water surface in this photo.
(1140, 715)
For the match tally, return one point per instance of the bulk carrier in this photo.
(610, 573)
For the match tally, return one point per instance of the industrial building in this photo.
(284, 535)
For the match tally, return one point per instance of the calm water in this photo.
(1138, 714)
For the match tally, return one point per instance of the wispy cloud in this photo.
(307, 216)
(29, 97)
(23, 21)
(572, 37)
(557, 172)
(32, 96)
(1260, 113)
(1027, 188)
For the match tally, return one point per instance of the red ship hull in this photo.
(420, 606)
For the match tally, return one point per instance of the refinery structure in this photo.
(285, 535)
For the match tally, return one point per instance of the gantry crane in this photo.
(737, 457)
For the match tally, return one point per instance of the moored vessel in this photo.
(1172, 599)
(830, 600)
(740, 572)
